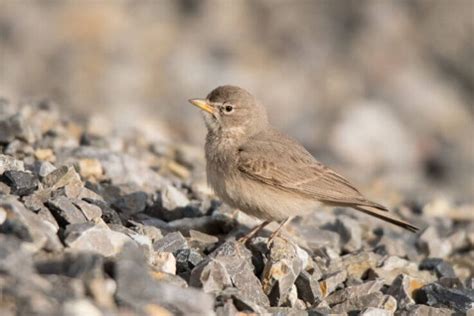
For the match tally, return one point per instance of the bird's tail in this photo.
(383, 215)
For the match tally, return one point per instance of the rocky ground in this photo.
(96, 222)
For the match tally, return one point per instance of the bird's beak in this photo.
(203, 105)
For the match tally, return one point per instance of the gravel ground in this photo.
(96, 222)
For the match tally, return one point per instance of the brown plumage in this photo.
(265, 173)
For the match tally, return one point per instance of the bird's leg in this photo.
(277, 231)
(253, 232)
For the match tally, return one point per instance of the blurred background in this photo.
(380, 90)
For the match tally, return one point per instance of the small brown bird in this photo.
(264, 173)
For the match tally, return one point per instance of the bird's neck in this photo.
(223, 146)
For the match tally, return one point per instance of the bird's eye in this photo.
(228, 108)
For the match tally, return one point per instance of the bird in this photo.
(253, 167)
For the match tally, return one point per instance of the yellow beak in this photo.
(203, 105)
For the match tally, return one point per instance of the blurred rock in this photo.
(229, 266)
(383, 140)
(186, 260)
(80, 307)
(373, 311)
(358, 264)
(172, 242)
(65, 211)
(434, 294)
(44, 168)
(430, 243)
(90, 168)
(358, 303)
(202, 238)
(90, 211)
(21, 183)
(15, 127)
(394, 266)
(331, 282)
(422, 310)
(350, 232)
(352, 292)
(8, 163)
(130, 204)
(404, 288)
(439, 266)
(165, 262)
(28, 226)
(94, 238)
(136, 288)
(308, 288)
(281, 270)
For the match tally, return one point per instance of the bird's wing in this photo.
(282, 162)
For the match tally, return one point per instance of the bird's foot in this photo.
(278, 230)
(252, 233)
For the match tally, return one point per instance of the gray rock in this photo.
(83, 265)
(65, 211)
(404, 288)
(229, 265)
(186, 260)
(207, 224)
(286, 311)
(352, 292)
(437, 295)
(61, 177)
(308, 287)
(48, 217)
(79, 307)
(120, 168)
(130, 204)
(43, 168)
(317, 238)
(374, 299)
(164, 262)
(201, 238)
(89, 210)
(351, 233)
(242, 302)
(151, 232)
(432, 245)
(137, 289)
(332, 281)
(374, 311)
(4, 189)
(28, 226)
(172, 205)
(21, 183)
(94, 238)
(281, 270)
(143, 242)
(423, 310)
(392, 244)
(15, 259)
(109, 215)
(439, 266)
(322, 311)
(357, 264)
(226, 308)
(15, 127)
(172, 242)
(10, 163)
(394, 266)
(172, 198)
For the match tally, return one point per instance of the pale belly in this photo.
(258, 199)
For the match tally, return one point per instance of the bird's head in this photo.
(230, 109)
